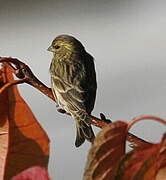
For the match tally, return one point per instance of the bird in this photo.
(73, 83)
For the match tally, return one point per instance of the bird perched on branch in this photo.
(73, 81)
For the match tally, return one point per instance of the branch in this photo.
(25, 75)
(22, 71)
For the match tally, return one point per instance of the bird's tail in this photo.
(84, 131)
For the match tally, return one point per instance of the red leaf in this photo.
(23, 141)
(33, 173)
(143, 163)
(106, 152)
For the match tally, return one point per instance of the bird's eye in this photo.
(57, 47)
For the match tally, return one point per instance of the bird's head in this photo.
(65, 45)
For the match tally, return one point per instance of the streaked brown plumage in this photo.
(73, 81)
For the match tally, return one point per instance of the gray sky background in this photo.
(127, 39)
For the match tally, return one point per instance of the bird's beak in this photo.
(51, 49)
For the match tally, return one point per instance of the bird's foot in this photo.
(61, 110)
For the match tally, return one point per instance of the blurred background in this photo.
(127, 39)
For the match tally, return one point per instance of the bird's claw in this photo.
(61, 110)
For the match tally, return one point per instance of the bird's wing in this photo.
(91, 84)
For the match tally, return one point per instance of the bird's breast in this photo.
(67, 71)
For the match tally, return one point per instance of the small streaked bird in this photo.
(73, 82)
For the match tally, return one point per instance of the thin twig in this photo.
(145, 117)
(7, 85)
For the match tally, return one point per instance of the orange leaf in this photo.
(143, 163)
(106, 152)
(23, 142)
